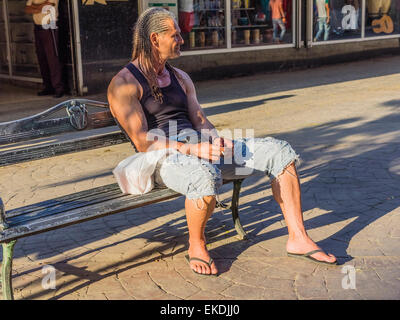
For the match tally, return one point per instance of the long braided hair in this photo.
(151, 20)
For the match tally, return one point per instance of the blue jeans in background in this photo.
(323, 26)
(275, 24)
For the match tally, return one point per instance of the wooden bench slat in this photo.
(97, 210)
(61, 207)
(13, 156)
(70, 197)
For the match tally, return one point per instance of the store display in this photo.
(202, 38)
(384, 24)
(192, 37)
(209, 25)
(246, 34)
(234, 36)
(256, 36)
(186, 15)
(215, 40)
(251, 15)
(378, 6)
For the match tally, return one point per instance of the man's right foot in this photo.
(200, 252)
(45, 92)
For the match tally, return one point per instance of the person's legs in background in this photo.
(283, 30)
(275, 29)
(53, 58)
(46, 41)
(43, 64)
(327, 28)
(320, 28)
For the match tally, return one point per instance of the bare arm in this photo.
(123, 96)
(327, 13)
(197, 115)
(124, 103)
(282, 12)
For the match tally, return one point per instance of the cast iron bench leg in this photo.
(6, 270)
(235, 209)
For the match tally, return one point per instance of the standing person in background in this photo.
(278, 19)
(44, 14)
(323, 19)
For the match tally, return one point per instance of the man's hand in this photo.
(225, 145)
(205, 150)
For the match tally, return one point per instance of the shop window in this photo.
(261, 22)
(202, 23)
(382, 17)
(337, 19)
(22, 44)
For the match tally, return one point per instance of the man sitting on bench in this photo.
(150, 94)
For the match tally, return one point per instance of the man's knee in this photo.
(192, 177)
(204, 202)
(209, 199)
(273, 156)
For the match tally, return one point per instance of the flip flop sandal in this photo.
(209, 263)
(307, 256)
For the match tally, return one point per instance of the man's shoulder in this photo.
(124, 81)
(182, 73)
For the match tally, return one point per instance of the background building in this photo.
(222, 37)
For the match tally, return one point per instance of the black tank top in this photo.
(174, 107)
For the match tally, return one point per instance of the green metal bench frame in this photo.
(78, 207)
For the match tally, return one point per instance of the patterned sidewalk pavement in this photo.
(344, 122)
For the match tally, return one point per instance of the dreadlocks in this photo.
(152, 20)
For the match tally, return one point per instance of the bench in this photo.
(54, 132)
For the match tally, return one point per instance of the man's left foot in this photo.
(306, 246)
(58, 94)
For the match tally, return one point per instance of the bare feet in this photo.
(304, 244)
(199, 250)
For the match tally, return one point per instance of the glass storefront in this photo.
(208, 26)
(202, 24)
(17, 41)
(250, 23)
(22, 42)
(337, 19)
(261, 22)
(343, 19)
